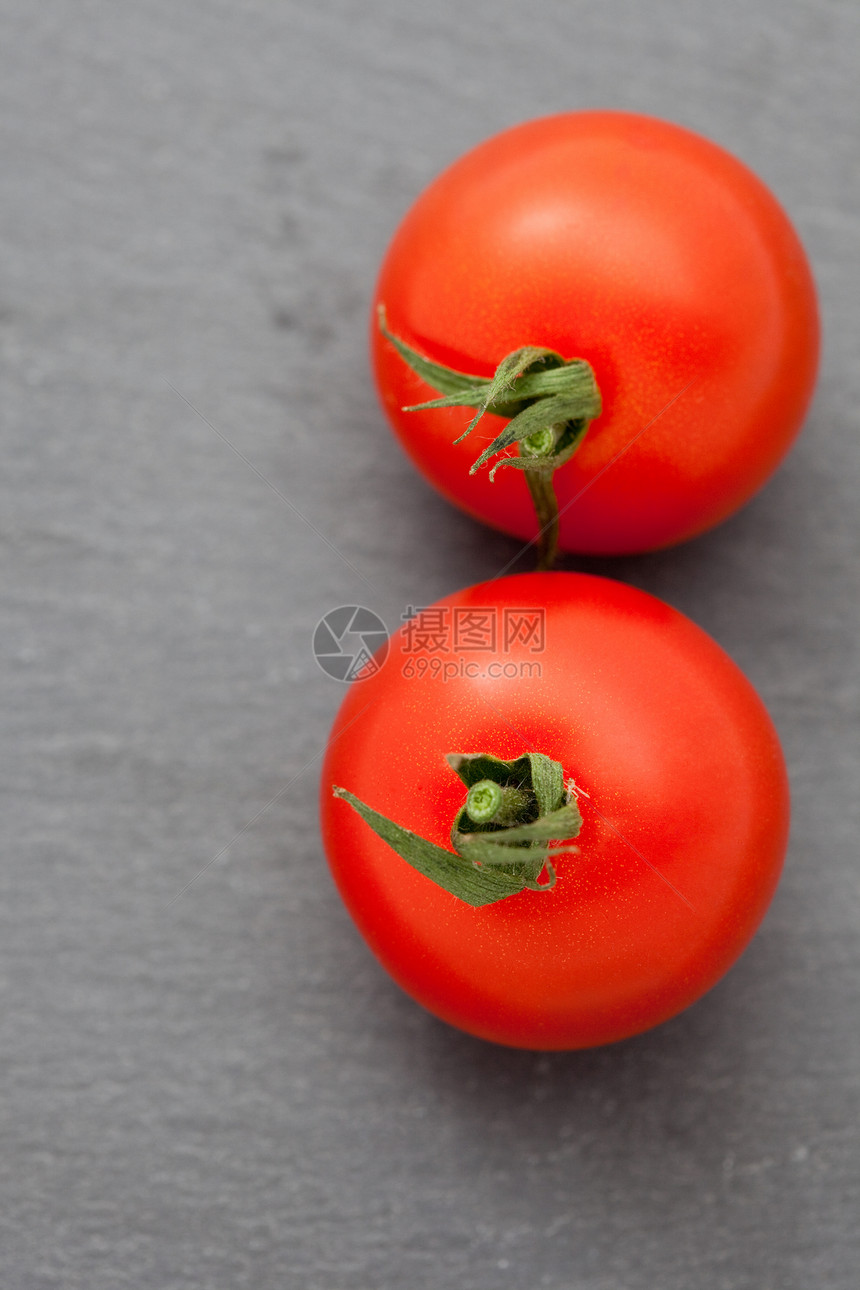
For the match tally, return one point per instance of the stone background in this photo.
(207, 1081)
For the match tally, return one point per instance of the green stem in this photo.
(490, 803)
(548, 403)
(546, 509)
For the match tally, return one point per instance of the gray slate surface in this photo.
(207, 1082)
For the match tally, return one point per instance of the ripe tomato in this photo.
(680, 782)
(644, 249)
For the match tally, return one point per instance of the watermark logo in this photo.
(499, 642)
(464, 629)
(350, 643)
(473, 641)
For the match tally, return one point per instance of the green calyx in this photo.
(548, 401)
(501, 834)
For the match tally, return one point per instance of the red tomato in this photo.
(683, 795)
(648, 251)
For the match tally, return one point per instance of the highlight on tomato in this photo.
(558, 812)
(597, 330)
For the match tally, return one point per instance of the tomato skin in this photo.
(685, 823)
(650, 252)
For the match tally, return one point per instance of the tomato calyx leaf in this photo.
(492, 861)
(548, 401)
